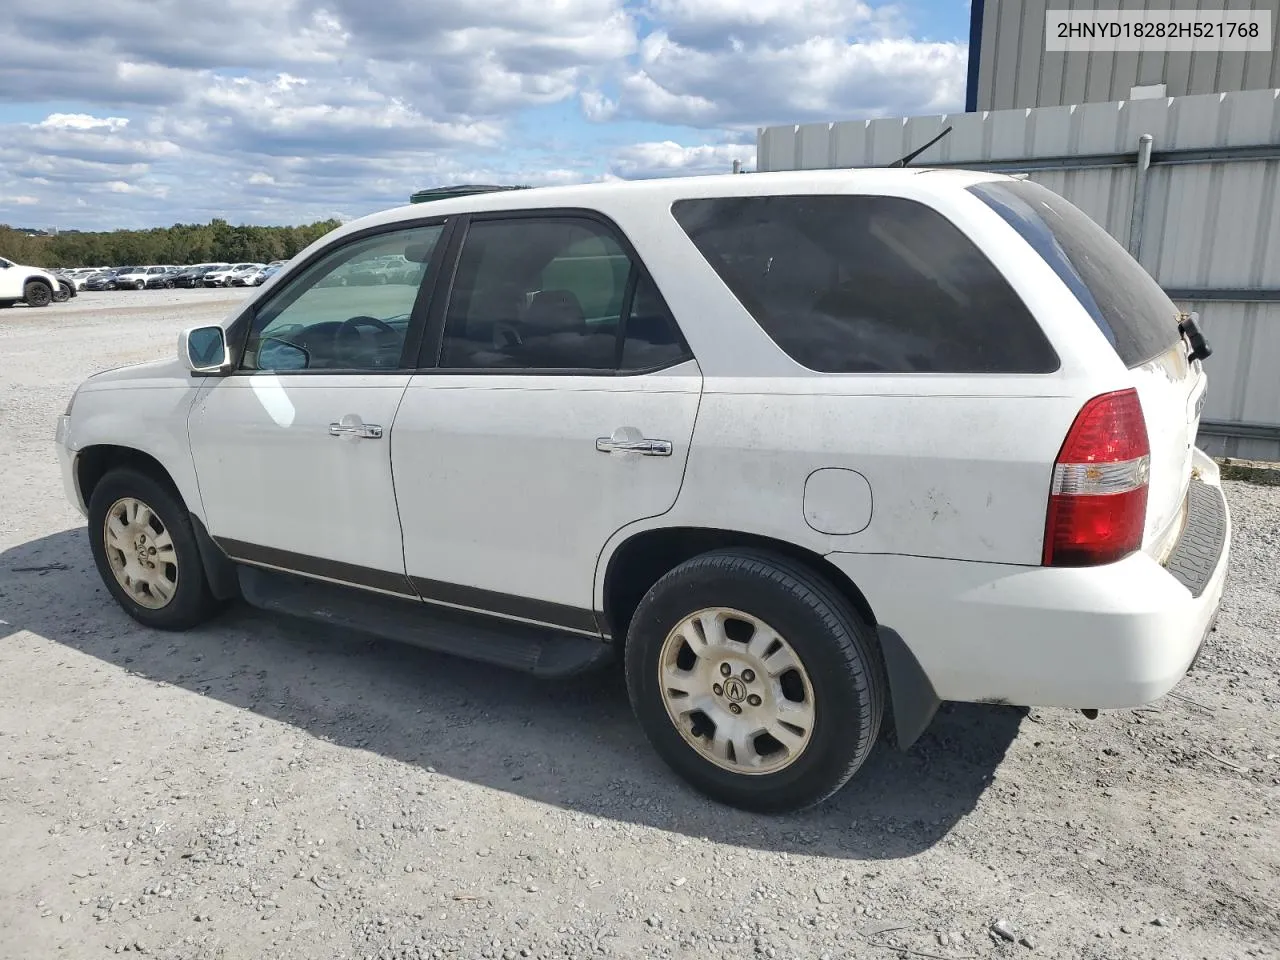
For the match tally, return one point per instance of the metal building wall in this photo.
(1211, 231)
(1011, 68)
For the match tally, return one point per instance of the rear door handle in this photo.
(620, 443)
(353, 428)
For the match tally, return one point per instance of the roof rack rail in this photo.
(461, 190)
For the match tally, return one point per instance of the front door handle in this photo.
(630, 440)
(352, 427)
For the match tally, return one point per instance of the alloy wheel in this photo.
(141, 553)
(737, 691)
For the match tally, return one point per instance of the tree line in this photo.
(183, 243)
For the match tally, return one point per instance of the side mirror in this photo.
(204, 351)
(274, 354)
(419, 252)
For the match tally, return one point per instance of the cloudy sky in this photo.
(148, 112)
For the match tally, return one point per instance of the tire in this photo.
(37, 294)
(190, 601)
(168, 284)
(839, 679)
(61, 296)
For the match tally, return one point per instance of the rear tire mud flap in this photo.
(911, 695)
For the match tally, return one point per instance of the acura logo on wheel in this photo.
(735, 690)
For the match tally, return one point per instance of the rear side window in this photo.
(1124, 301)
(854, 284)
(554, 294)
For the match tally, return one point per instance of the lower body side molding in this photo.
(541, 651)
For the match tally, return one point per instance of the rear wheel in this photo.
(146, 553)
(755, 680)
(37, 293)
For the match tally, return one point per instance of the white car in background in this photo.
(137, 278)
(76, 276)
(34, 286)
(810, 452)
(226, 278)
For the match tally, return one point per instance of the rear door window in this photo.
(554, 294)
(863, 284)
(1126, 304)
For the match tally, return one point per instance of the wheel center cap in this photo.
(735, 691)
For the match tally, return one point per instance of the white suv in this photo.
(136, 279)
(226, 277)
(33, 286)
(811, 451)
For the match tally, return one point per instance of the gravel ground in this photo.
(262, 788)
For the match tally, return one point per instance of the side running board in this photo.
(541, 651)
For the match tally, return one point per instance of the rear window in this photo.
(854, 284)
(1124, 301)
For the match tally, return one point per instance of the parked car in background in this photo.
(266, 273)
(66, 290)
(77, 277)
(136, 278)
(186, 277)
(375, 272)
(34, 286)
(222, 278)
(162, 280)
(193, 276)
(244, 275)
(104, 280)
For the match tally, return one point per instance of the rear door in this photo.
(561, 410)
(1137, 318)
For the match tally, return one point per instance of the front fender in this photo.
(150, 418)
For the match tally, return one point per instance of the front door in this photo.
(292, 451)
(561, 410)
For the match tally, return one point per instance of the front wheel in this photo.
(37, 294)
(146, 552)
(755, 680)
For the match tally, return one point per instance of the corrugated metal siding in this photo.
(1015, 70)
(1208, 225)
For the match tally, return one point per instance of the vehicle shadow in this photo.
(573, 744)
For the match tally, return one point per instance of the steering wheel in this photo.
(353, 324)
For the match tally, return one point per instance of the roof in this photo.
(668, 190)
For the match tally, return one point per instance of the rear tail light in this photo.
(1098, 501)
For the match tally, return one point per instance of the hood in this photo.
(170, 368)
(36, 271)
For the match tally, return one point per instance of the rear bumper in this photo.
(1120, 635)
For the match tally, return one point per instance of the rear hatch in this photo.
(1139, 321)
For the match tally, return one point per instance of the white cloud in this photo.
(820, 77)
(294, 109)
(668, 158)
(82, 121)
(596, 107)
